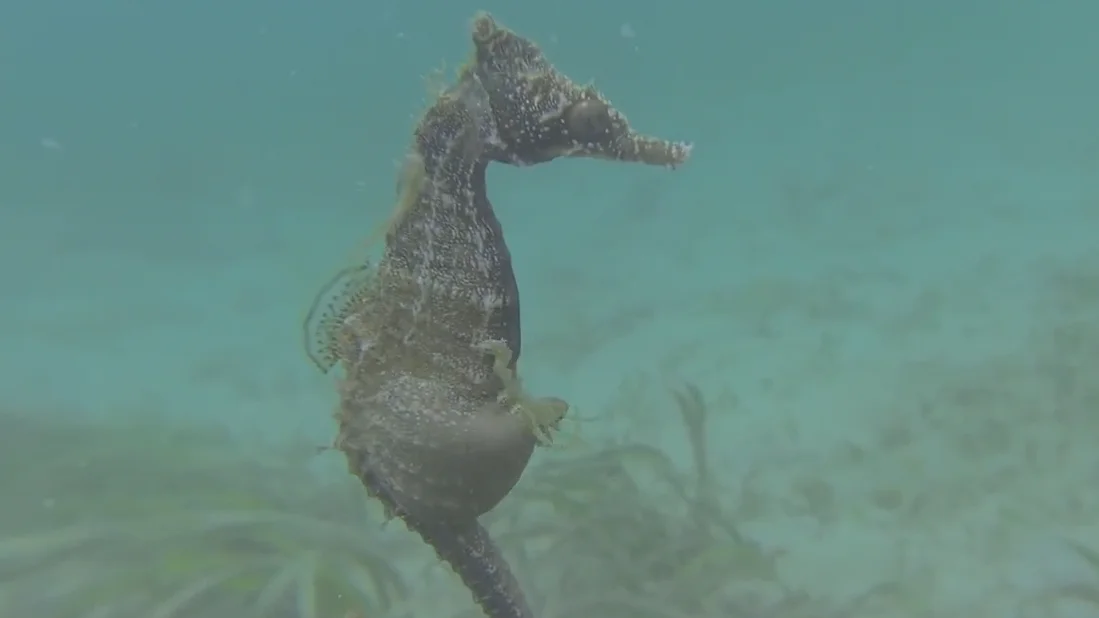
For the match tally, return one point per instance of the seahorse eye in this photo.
(589, 121)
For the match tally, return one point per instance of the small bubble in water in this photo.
(627, 31)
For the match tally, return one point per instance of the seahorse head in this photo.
(540, 114)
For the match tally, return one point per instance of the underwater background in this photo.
(845, 362)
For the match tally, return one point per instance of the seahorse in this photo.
(433, 418)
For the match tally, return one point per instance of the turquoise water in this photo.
(879, 274)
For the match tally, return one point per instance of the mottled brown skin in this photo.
(543, 115)
(432, 418)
